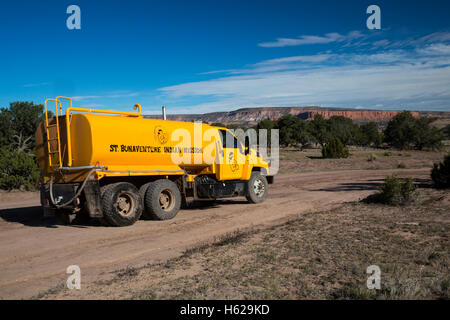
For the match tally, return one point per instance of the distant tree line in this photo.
(402, 132)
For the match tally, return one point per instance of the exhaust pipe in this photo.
(164, 112)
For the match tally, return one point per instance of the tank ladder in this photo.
(54, 152)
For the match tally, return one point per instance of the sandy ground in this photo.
(35, 252)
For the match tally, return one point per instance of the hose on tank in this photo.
(76, 195)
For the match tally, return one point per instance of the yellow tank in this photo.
(129, 144)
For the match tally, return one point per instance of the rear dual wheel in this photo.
(122, 204)
(162, 199)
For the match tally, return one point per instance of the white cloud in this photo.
(435, 49)
(303, 40)
(436, 37)
(433, 38)
(79, 98)
(395, 79)
(108, 95)
(381, 57)
(277, 64)
(93, 106)
(312, 58)
(381, 43)
(217, 71)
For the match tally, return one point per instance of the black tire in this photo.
(142, 191)
(162, 193)
(102, 220)
(122, 204)
(257, 188)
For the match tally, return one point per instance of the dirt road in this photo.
(35, 252)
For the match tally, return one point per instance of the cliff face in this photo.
(251, 116)
(372, 115)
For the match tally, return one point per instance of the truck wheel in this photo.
(102, 220)
(257, 188)
(122, 204)
(162, 199)
(142, 191)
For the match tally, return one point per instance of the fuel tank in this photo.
(126, 143)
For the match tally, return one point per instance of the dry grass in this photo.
(310, 160)
(314, 256)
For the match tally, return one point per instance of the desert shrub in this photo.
(18, 170)
(387, 153)
(320, 129)
(446, 131)
(395, 191)
(401, 165)
(427, 136)
(441, 173)
(335, 149)
(407, 132)
(217, 124)
(344, 129)
(370, 134)
(372, 157)
(293, 131)
(399, 132)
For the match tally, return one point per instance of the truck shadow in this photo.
(33, 217)
(354, 186)
(210, 204)
(28, 216)
(372, 184)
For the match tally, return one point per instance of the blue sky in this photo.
(206, 56)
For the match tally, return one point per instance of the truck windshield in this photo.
(229, 140)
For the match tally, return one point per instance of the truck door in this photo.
(231, 156)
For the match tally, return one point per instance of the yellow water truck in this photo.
(118, 166)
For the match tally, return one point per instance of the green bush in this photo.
(401, 165)
(446, 131)
(395, 191)
(441, 173)
(18, 170)
(370, 135)
(335, 149)
(407, 132)
(372, 157)
(293, 131)
(387, 153)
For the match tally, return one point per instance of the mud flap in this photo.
(49, 212)
(93, 198)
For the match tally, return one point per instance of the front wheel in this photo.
(257, 188)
